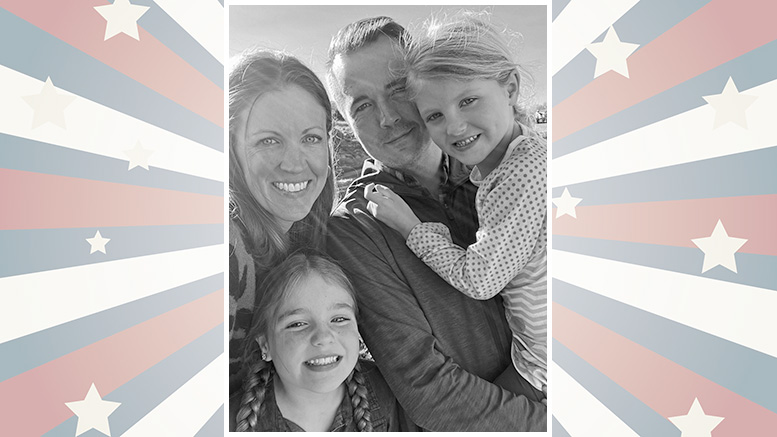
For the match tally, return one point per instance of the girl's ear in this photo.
(513, 86)
(264, 348)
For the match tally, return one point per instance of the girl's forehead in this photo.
(315, 293)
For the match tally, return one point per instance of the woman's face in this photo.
(283, 150)
(313, 340)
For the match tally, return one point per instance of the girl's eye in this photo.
(433, 117)
(295, 325)
(311, 139)
(268, 141)
(340, 319)
(468, 101)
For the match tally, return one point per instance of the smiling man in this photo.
(437, 349)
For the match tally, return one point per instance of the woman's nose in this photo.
(293, 159)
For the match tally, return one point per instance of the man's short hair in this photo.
(356, 35)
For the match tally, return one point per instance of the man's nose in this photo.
(388, 115)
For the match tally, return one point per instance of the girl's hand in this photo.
(389, 208)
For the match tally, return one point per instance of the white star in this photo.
(696, 423)
(121, 17)
(566, 204)
(719, 249)
(98, 243)
(138, 156)
(49, 105)
(611, 54)
(730, 105)
(93, 412)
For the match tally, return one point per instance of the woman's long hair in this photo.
(281, 281)
(254, 73)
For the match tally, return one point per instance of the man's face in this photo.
(374, 104)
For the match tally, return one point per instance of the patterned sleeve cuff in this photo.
(424, 237)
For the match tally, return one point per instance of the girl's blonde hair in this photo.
(275, 288)
(255, 73)
(464, 46)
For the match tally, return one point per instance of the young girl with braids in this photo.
(461, 76)
(303, 357)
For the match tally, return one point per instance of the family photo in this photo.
(388, 218)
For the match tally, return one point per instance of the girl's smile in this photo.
(469, 120)
(314, 341)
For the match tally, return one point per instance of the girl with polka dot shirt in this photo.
(461, 76)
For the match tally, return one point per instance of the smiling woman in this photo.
(281, 143)
(281, 183)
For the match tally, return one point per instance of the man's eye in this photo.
(312, 139)
(361, 107)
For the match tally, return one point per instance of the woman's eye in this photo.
(311, 139)
(268, 141)
(468, 101)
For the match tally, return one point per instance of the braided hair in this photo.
(260, 374)
(254, 388)
(258, 382)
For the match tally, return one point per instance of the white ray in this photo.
(37, 301)
(94, 128)
(686, 137)
(579, 412)
(185, 411)
(202, 19)
(740, 313)
(580, 23)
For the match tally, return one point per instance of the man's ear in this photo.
(513, 87)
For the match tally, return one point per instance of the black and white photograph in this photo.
(388, 218)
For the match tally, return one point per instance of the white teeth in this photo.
(322, 361)
(291, 188)
(463, 143)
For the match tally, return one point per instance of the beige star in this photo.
(93, 412)
(49, 105)
(719, 249)
(121, 17)
(611, 54)
(566, 204)
(696, 423)
(97, 243)
(138, 156)
(730, 105)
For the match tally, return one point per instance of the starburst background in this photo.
(662, 323)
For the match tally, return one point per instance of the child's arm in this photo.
(512, 224)
(390, 209)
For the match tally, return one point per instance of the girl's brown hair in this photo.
(273, 291)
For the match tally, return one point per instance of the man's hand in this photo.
(389, 208)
